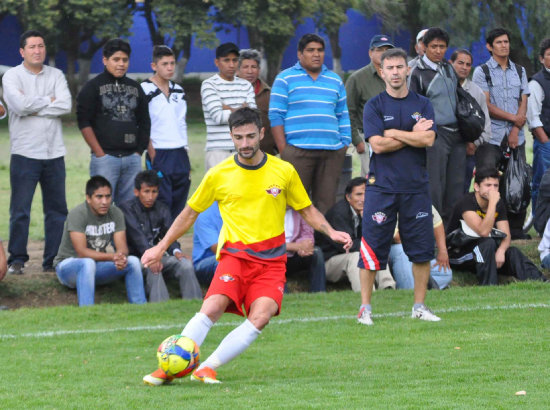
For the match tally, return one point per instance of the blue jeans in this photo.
(541, 162)
(546, 262)
(401, 269)
(25, 174)
(84, 273)
(120, 172)
(205, 269)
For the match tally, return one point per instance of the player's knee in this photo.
(259, 319)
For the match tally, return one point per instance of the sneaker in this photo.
(157, 378)
(365, 317)
(205, 375)
(423, 313)
(16, 268)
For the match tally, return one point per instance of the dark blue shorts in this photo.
(415, 227)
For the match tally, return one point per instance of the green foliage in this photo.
(490, 344)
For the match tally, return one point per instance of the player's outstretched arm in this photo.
(181, 224)
(317, 221)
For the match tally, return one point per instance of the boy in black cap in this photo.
(222, 94)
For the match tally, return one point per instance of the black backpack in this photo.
(470, 116)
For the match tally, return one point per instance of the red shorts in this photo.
(243, 281)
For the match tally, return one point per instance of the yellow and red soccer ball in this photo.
(178, 355)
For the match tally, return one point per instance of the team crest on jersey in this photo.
(379, 217)
(227, 278)
(416, 116)
(273, 190)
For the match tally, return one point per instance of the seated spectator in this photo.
(440, 272)
(302, 254)
(147, 220)
(489, 255)
(205, 243)
(544, 247)
(83, 260)
(346, 216)
(3, 111)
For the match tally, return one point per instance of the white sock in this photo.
(232, 345)
(197, 328)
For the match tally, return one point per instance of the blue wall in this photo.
(354, 39)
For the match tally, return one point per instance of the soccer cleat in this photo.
(423, 313)
(205, 375)
(157, 378)
(365, 317)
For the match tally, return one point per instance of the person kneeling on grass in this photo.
(82, 259)
(253, 190)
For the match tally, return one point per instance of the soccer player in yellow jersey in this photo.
(252, 189)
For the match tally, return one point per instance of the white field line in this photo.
(272, 322)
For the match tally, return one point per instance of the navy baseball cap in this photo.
(380, 40)
(226, 49)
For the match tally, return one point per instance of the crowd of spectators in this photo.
(310, 118)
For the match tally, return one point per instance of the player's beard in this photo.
(250, 152)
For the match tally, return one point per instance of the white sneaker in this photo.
(423, 313)
(365, 317)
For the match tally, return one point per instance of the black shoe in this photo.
(48, 269)
(521, 235)
(16, 268)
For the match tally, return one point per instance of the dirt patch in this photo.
(40, 289)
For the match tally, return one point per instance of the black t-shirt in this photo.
(469, 203)
(404, 170)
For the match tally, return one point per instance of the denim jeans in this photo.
(120, 172)
(546, 262)
(25, 174)
(541, 162)
(84, 273)
(205, 269)
(401, 269)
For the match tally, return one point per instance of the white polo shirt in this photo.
(168, 126)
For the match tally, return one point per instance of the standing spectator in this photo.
(222, 94)
(147, 220)
(538, 116)
(302, 254)
(167, 151)
(506, 90)
(249, 69)
(206, 233)
(310, 121)
(419, 47)
(83, 260)
(37, 95)
(481, 211)
(434, 77)
(361, 86)
(3, 268)
(462, 61)
(346, 216)
(114, 120)
(399, 125)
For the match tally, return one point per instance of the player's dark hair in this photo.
(435, 33)
(30, 33)
(357, 181)
(96, 182)
(309, 38)
(484, 173)
(543, 46)
(147, 177)
(250, 54)
(244, 116)
(114, 45)
(393, 53)
(162, 51)
(494, 33)
(458, 51)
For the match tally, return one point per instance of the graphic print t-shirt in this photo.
(404, 170)
(99, 230)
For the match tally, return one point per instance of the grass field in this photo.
(491, 343)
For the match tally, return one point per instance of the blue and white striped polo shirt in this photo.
(314, 113)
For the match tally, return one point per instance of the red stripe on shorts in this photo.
(369, 258)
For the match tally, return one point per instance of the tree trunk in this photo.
(84, 68)
(180, 69)
(334, 39)
(274, 60)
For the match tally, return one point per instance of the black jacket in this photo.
(340, 218)
(145, 227)
(118, 112)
